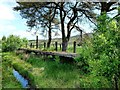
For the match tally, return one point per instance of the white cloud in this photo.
(4, 1)
(23, 34)
(6, 12)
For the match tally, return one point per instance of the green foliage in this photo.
(57, 59)
(55, 74)
(24, 42)
(102, 53)
(3, 38)
(85, 56)
(21, 66)
(93, 81)
(12, 43)
(106, 46)
(8, 80)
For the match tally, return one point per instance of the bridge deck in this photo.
(64, 54)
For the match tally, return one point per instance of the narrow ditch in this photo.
(24, 82)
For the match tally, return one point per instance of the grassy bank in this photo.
(21, 66)
(51, 74)
(45, 74)
(8, 80)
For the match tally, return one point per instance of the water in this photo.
(21, 79)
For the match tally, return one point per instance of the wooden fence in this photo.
(55, 45)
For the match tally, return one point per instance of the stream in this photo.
(21, 79)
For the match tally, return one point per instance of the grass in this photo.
(55, 75)
(8, 80)
(23, 68)
(49, 74)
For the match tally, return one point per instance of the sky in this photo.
(12, 23)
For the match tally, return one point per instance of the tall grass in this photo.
(55, 74)
(45, 73)
(8, 80)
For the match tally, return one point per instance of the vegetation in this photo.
(44, 72)
(12, 43)
(49, 74)
(100, 56)
(98, 63)
(0, 64)
(67, 14)
(8, 80)
(15, 63)
(54, 74)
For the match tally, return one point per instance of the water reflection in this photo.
(22, 80)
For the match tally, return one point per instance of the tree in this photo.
(38, 15)
(3, 38)
(108, 38)
(12, 43)
(65, 11)
(68, 13)
(106, 6)
(100, 55)
(24, 42)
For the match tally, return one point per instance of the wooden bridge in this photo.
(64, 56)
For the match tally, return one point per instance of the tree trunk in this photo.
(64, 45)
(62, 18)
(49, 36)
(105, 7)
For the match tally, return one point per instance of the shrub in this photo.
(12, 43)
(102, 53)
(106, 48)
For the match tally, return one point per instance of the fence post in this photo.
(36, 42)
(60, 46)
(44, 45)
(74, 45)
(56, 46)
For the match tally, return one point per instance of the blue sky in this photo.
(12, 23)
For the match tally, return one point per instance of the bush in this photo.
(85, 56)
(107, 48)
(12, 43)
(102, 53)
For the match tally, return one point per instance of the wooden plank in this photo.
(64, 54)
